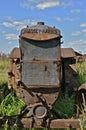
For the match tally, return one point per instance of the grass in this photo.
(11, 105)
(65, 106)
(4, 91)
(4, 64)
(81, 70)
(83, 119)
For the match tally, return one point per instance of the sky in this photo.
(67, 15)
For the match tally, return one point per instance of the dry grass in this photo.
(81, 69)
(4, 64)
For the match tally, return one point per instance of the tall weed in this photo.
(83, 119)
(81, 70)
(11, 105)
(65, 106)
(4, 91)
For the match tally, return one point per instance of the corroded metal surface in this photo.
(40, 32)
(39, 37)
(42, 50)
(36, 69)
(15, 53)
(67, 53)
(81, 99)
(40, 63)
(34, 74)
(29, 123)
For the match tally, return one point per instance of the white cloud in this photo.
(77, 33)
(11, 36)
(9, 18)
(42, 4)
(7, 24)
(18, 25)
(78, 45)
(15, 24)
(10, 42)
(81, 32)
(48, 4)
(30, 4)
(26, 5)
(66, 3)
(75, 11)
(78, 42)
(58, 19)
(84, 30)
(83, 25)
(68, 19)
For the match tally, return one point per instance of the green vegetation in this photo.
(4, 91)
(11, 105)
(83, 120)
(81, 69)
(4, 64)
(65, 106)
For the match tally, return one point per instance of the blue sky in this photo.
(67, 15)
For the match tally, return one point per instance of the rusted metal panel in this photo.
(65, 123)
(81, 99)
(40, 32)
(67, 53)
(40, 67)
(40, 73)
(46, 50)
(58, 123)
(28, 94)
(14, 75)
(29, 123)
(73, 66)
(15, 53)
(43, 86)
(39, 37)
(36, 69)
